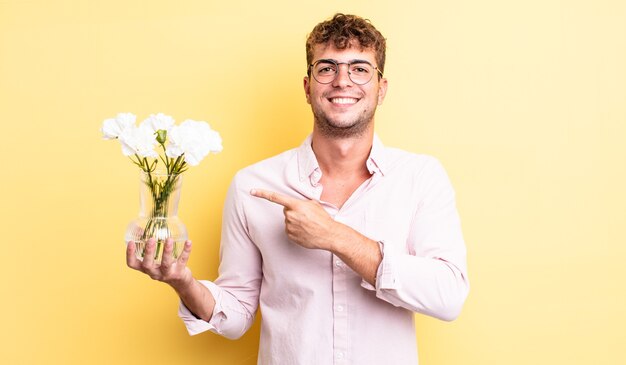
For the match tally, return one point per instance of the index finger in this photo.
(131, 259)
(274, 197)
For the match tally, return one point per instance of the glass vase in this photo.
(159, 194)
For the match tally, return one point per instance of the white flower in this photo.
(158, 122)
(193, 138)
(113, 127)
(138, 140)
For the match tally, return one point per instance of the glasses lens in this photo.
(361, 73)
(325, 71)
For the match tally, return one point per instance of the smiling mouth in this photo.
(343, 101)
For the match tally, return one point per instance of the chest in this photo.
(338, 191)
(380, 210)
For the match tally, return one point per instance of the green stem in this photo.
(165, 160)
(160, 191)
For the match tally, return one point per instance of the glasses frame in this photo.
(337, 63)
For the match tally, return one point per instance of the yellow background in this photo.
(524, 102)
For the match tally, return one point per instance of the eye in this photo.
(360, 69)
(325, 69)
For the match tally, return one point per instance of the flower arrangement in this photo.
(180, 146)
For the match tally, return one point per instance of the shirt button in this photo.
(340, 308)
(340, 355)
(338, 263)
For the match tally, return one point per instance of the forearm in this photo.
(174, 272)
(197, 298)
(360, 253)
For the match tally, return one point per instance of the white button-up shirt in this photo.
(314, 308)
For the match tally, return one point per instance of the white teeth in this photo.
(343, 100)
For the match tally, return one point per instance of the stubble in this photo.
(343, 129)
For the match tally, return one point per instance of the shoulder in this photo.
(272, 169)
(268, 166)
(423, 172)
(422, 175)
(397, 159)
(269, 174)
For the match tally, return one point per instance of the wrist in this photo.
(341, 238)
(183, 284)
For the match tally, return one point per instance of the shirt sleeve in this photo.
(430, 275)
(236, 290)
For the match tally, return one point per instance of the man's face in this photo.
(342, 108)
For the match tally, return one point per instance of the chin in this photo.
(342, 129)
(341, 126)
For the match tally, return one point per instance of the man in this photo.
(340, 240)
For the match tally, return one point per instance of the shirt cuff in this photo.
(196, 325)
(385, 274)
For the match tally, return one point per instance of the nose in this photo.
(343, 78)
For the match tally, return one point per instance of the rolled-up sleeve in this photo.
(227, 320)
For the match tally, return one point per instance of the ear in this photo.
(382, 90)
(307, 89)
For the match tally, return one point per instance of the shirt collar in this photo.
(308, 168)
(376, 161)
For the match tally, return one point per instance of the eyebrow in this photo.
(355, 60)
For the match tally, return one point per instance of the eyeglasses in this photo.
(325, 71)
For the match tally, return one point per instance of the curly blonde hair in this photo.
(343, 30)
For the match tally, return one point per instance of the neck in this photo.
(344, 156)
